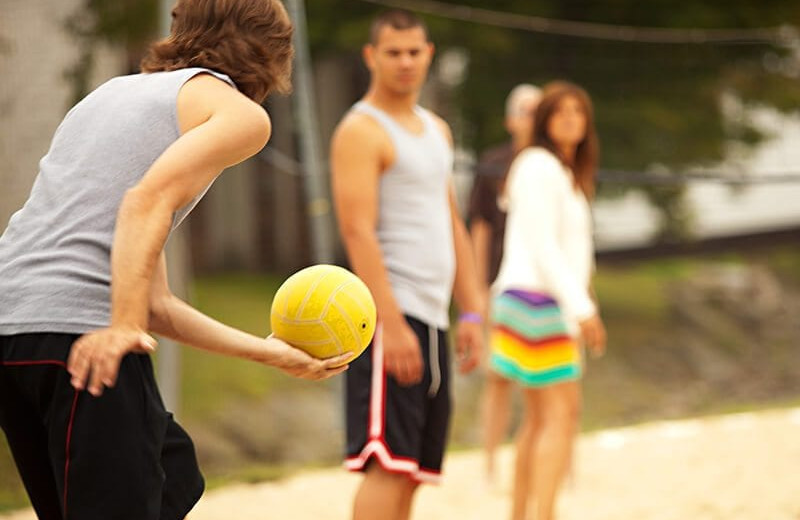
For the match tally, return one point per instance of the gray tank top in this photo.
(415, 230)
(55, 253)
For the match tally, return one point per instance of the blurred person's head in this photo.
(564, 124)
(249, 40)
(520, 107)
(399, 52)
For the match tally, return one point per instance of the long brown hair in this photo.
(584, 165)
(249, 40)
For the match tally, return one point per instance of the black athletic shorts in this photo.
(119, 456)
(403, 428)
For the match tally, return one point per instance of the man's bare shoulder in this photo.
(361, 131)
(213, 91)
(205, 95)
(359, 124)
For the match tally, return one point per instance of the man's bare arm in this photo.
(221, 128)
(467, 287)
(359, 154)
(173, 318)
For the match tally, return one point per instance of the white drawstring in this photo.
(436, 374)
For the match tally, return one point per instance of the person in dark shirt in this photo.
(487, 225)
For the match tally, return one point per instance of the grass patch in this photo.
(210, 380)
(637, 293)
(12, 494)
(785, 261)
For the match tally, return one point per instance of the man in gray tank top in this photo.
(82, 272)
(391, 164)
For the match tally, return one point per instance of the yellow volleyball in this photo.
(324, 310)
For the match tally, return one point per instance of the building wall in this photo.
(35, 51)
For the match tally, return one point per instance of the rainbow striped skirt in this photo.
(530, 342)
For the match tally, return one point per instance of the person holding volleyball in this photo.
(82, 269)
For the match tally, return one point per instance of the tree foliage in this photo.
(126, 23)
(655, 103)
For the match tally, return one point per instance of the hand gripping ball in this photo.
(324, 310)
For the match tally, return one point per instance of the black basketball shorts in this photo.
(119, 456)
(402, 428)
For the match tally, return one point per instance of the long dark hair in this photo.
(249, 40)
(584, 164)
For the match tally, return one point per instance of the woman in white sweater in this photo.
(543, 308)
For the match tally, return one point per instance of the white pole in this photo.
(318, 206)
(169, 362)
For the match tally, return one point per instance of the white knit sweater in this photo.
(548, 243)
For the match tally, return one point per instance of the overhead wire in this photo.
(781, 35)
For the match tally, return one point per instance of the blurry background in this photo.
(697, 222)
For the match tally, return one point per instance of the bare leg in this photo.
(560, 405)
(406, 500)
(524, 470)
(495, 415)
(570, 476)
(380, 492)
